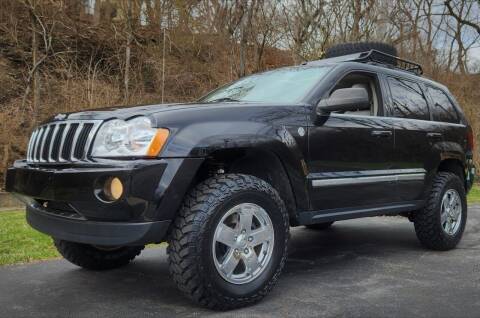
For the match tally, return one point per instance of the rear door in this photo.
(418, 139)
(445, 113)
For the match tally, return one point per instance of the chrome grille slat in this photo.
(81, 145)
(57, 141)
(52, 141)
(37, 133)
(46, 143)
(68, 145)
(35, 143)
(74, 142)
(90, 138)
(62, 143)
(51, 137)
(38, 145)
(30, 145)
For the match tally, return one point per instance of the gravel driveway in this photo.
(373, 267)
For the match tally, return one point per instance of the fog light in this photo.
(113, 188)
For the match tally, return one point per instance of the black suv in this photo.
(223, 179)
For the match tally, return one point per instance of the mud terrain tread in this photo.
(426, 221)
(91, 258)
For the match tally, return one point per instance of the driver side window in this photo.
(362, 80)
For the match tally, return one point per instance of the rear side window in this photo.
(408, 99)
(443, 109)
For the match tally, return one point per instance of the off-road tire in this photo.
(427, 221)
(96, 258)
(190, 253)
(319, 226)
(358, 47)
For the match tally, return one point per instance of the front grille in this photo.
(63, 141)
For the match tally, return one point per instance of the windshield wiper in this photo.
(223, 99)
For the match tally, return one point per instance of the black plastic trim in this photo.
(97, 233)
(312, 217)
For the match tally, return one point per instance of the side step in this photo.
(329, 215)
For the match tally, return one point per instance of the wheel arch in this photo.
(455, 166)
(261, 163)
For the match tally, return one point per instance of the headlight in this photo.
(135, 137)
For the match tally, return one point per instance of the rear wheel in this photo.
(319, 226)
(97, 257)
(228, 245)
(440, 225)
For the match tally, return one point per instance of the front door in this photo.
(350, 154)
(350, 158)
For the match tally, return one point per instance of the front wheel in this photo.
(440, 225)
(97, 257)
(229, 241)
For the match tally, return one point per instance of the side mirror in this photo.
(345, 99)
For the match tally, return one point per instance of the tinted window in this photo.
(443, 109)
(408, 99)
(285, 85)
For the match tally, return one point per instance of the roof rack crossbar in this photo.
(394, 61)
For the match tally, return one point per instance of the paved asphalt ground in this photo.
(371, 267)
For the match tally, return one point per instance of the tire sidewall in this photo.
(269, 204)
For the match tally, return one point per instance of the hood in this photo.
(123, 112)
(126, 112)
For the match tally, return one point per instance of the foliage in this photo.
(474, 195)
(68, 55)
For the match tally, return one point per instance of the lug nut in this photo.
(250, 238)
(244, 231)
(245, 251)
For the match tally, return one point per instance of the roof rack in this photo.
(391, 60)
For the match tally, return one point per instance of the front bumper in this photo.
(62, 200)
(96, 232)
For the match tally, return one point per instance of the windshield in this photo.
(287, 85)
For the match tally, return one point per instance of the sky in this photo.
(474, 59)
(475, 53)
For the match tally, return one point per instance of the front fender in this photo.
(200, 140)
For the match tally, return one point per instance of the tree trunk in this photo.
(35, 78)
(6, 157)
(246, 24)
(356, 20)
(163, 63)
(126, 81)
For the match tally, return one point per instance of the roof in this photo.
(377, 60)
(376, 57)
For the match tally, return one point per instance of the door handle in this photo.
(433, 135)
(381, 133)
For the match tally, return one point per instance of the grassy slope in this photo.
(474, 195)
(19, 243)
